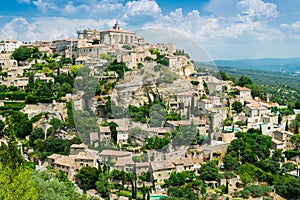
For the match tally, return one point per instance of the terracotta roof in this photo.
(256, 107)
(122, 129)
(177, 161)
(276, 141)
(118, 31)
(142, 164)
(66, 161)
(183, 161)
(54, 156)
(114, 153)
(85, 156)
(188, 162)
(94, 136)
(186, 122)
(78, 146)
(162, 165)
(189, 94)
(104, 129)
(124, 161)
(242, 88)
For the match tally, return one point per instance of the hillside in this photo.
(287, 65)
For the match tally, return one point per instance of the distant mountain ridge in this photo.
(287, 65)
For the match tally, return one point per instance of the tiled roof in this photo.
(66, 161)
(242, 88)
(77, 146)
(162, 165)
(104, 129)
(94, 136)
(142, 164)
(276, 141)
(124, 161)
(54, 156)
(189, 94)
(85, 156)
(183, 161)
(114, 153)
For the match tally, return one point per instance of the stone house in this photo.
(108, 155)
(122, 135)
(243, 94)
(124, 164)
(77, 148)
(94, 139)
(10, 45)
(67, 165)
(255, 110)
(161, 170)
(105, 135)
(281, 140)
(183, 164)
(84, 159)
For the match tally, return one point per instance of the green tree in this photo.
(295, 139)
(237, 106)
(2, 125)
(15, 177)
(10, 155)
(54, 185)
(104, 56)
(17, 183)
(177, 179)
(37, 133)
(56, 124)
(113, 129)
(52, 145)
(243, 81)
(102, 185)
(209, 171)
(21, 54)
(87, 177)
(230, 162)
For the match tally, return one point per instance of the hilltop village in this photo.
(146, 116)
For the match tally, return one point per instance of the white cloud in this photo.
(142, 7)
(258, 8)
(48, 28)
(291, 27)
(219, 8)
(291, 30)
(247, 24)
(44, 5)
(24, 1)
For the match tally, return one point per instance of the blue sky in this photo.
(223, 29)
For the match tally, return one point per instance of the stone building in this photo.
(9, 45)
(161, 170)
(117, 36)
(244, 94)
(90, 34)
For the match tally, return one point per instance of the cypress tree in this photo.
(279, 118)
(10, 155)
(287, 125)
(227, 187)
(297, 129)
(148, 195)
(260, 129)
